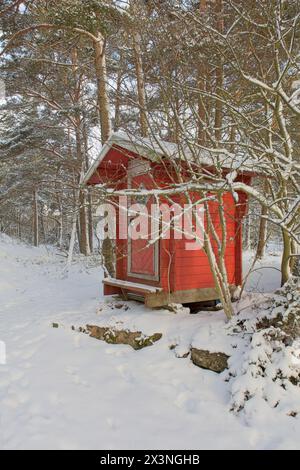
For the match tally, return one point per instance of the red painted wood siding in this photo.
(191, 268)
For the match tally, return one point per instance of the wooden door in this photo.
(143, 254)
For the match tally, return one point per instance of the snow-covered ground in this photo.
(61, 389)
(265, 275)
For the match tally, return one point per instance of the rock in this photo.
(135, 339)
(216, 362)
(55, 325)
(118, 306)
(177, 308)
(284, 313)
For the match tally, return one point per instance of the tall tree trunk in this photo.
(102, 98)
(286, 256)
(294, 260)
(80, 156)
(61, 221)
(219, 75)
(61, 229)
(90, 220)
(140, 84)
(84, 240)
(73, 233)
(83, 235)
(117, 119)
(43, 227)
(105, 122)
(262, 234)
(202, 77)
(89, 201)
(35, 218)
(248, 233)
(263, 224)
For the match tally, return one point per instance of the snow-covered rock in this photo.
(268, 367)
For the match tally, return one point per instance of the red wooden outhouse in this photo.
(166, 270)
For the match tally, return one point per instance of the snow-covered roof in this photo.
(153, 149)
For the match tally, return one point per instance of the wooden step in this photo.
(131, 286)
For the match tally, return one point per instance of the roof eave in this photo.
(105, 149)
(127, 144)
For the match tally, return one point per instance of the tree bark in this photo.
(61, 222)
(105, 122)
(117, 119)
(43, 226)
(102, 98)
(84, 240)
(35, 218)
(286, 256)
(82, 228)
(262, 234)
(248, 233)
(202, 77)
(294, 260)
(140, 84)
(73, 237)
(90, 221)
(89, 201)
(219, 76)
(79, 124)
